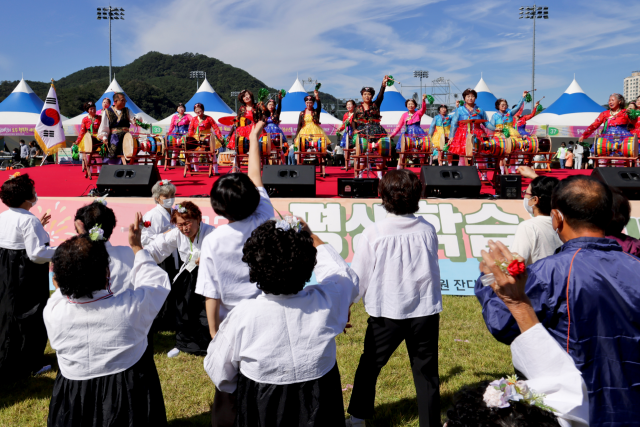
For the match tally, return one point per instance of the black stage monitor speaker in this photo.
(627, 180)
(128, 180)
(510, 186)
(289, 180)
(450, 181)
(358, 187)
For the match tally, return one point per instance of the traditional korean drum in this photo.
(90, 143)
(607, 146)
(242, 145)
(383, 147)
(422, 143)
(175, 141)
(528, 144)
(498, 145)
(129, 145)
(311, 143)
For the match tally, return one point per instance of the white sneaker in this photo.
(355, 423)
(173, 353)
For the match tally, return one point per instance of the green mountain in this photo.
(155, 82)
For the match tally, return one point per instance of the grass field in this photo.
(467, 354)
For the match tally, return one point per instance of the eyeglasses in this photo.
(184, 225)
(525, 193)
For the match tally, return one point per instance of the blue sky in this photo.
(343, 44)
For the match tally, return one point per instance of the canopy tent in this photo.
(573, 108)
(393, 107)
(486, 99)
(114, 87)
(21, 107)
(293, 104)
(214, 106)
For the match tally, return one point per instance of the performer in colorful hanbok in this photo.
(504, 117)
(115, 124)
(202, 126)
(409, 122)
(439, 131)
(157, 222)
(90, 123)
(179, 128)
(521, 121)
(468, 111)
(346, 141)
(248, 114)
(272, 113)
(24, 280)
(192, 329)
(106, 103)
(367, 115)
(107, 374)
(309, 119)
(615, 120)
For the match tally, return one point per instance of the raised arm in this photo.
(318, 103)
(380, 97)
(595, 125)
(423, 107)
(254, 171)
(516, 110)
(163, 245)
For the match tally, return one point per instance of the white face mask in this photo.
(36, 201)
(168, 203)
(528, 208)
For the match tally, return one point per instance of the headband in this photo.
(368, 89)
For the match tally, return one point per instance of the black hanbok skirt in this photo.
(24, 291)
(166, 318)
(192, 328)
(311, 403)
(129, 398)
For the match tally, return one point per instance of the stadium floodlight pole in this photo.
(421, 74)
(235, 95)
(110, 13)
(534, 12)
(197, 75)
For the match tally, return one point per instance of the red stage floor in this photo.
(68, 181)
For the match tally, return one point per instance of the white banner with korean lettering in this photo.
(49, 132)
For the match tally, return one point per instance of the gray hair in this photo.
(620, 99)
(161, 189)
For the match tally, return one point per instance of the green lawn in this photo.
(188, 391)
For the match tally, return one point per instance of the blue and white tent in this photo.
(486, 99)
(21, 107)
(573, 108)
(393, 107)
(214, 106)
(113, 88)
(293, 104)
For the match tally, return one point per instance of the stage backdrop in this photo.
(463, 226)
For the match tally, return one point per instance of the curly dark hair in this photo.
(280, 262)
(400, 191)
(96, 213)
(234, 196)
(500, 101)
(406, 103)
(193, 212)
(621, 213)
(243, 93)
(542, 187)
(16, 191)
(469, 409)
(469, 91)
(81, 266)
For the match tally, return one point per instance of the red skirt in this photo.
(458, 144)
(243, 131)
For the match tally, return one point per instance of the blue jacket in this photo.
(603, 337)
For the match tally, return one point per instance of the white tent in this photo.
(293, 104)
(393, 107)
(69, 125)
(573, 108)
(21, 107)
(214, 105)
(486, 99)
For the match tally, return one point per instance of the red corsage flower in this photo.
(147, 224)
(516, 267)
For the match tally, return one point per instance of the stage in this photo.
(69, 181)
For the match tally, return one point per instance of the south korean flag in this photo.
(49, 132)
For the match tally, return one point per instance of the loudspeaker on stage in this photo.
(128, 180)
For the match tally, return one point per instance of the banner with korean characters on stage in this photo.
(463, 226)
(556, 131)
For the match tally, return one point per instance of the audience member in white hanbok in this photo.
(277, 353)
(157, 222)
(551, 373)
(120, 257)
(396, 260)
(107, 374)
(24, 280)
(192, 329)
